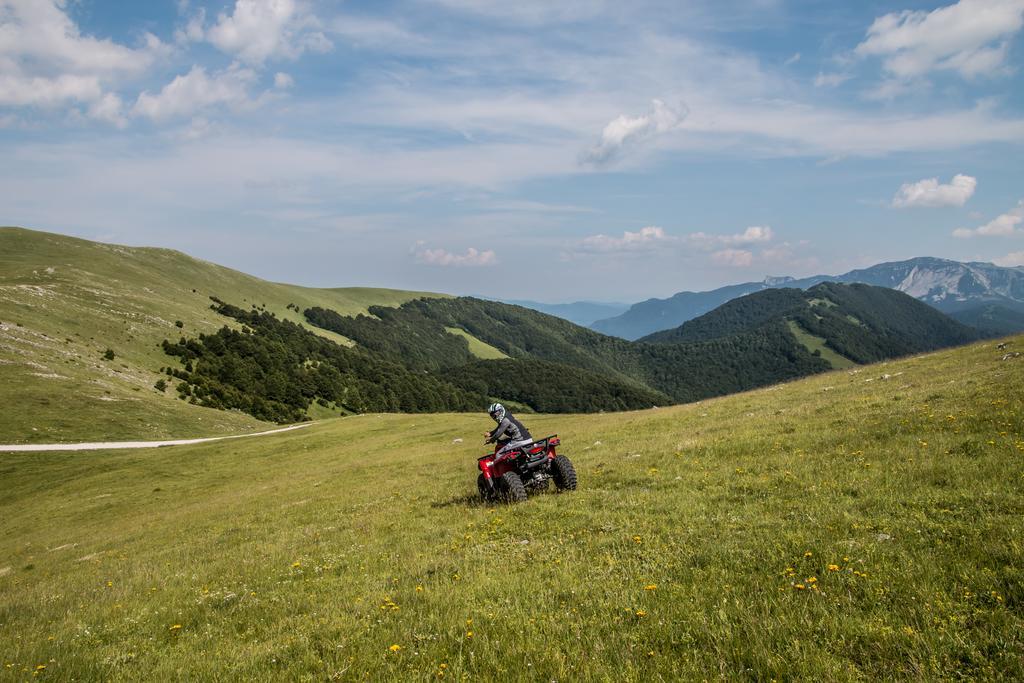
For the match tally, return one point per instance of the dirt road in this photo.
(113, 445)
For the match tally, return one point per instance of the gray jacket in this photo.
(510, 429)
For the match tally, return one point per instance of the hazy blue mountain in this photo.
(991, 320)
(950, 286)
(660, 314)
(580, 312)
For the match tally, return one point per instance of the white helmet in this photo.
(497, 411)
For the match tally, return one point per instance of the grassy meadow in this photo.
(65, 301)
(858, 525)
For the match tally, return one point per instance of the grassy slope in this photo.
(302, 556)
(75, 298)
(814, 343)
(479, 349)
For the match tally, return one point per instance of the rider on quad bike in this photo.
(509, 434)
(520, 463)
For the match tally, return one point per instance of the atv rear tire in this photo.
(512, 489)
(563, 473)
(486, 491)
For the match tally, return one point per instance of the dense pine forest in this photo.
(274, 369)
(406, 358)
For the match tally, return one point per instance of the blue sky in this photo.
(553, 151)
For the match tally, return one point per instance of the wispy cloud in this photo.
(1004, 225)
(733, 258)
(258, 30)
(929, 193)
(753, 235)
(625, 131)
(654, 238)
(643, 239)
(196, 91)
(1015, 258)
(969, 37)
(440, 257)
(830, 80)
(46, 61)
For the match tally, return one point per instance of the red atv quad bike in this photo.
(528, 467)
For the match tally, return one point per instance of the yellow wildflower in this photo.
(650, 587)
(833, 567)
(395, 648)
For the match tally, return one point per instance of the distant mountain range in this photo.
(582, 313)
(987, 297)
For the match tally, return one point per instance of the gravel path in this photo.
(112, 445)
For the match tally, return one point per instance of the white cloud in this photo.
(734, 258)
(45, 60)
(654, 238)
(258, 30)
(283, 81)
(753, 235)
(193, 31)
(929, 192)
(440, 257)
(830, 80)
(195, 91)
(645, 238)
(1012, 259)
(1002, 226)
(969, 37)
(38, 33)
(629, 130)
(109, 108)
(19, 90)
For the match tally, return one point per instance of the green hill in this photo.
(763, 338)
(857, 525)
(856, 323)
(992, 319)
(65, 301)
(128, 336)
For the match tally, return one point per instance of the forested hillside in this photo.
(860, 322)
(274, 369)
(743, 361)
(759, 339)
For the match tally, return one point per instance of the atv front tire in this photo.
(563, 473)
(512, 489)
(486, 491)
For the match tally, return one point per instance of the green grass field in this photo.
(65, 301)
(478, 348)
(857, 525)
(814, 343)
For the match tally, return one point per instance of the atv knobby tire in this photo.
(563, 473)
(486, 492)
(511, 488)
